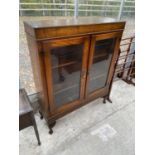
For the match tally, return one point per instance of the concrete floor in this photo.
(74, 134)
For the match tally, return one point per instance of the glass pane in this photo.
(66, 68)
(101, 63)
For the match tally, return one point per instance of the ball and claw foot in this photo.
(104, 100)
(109, 100)
(50, 131)
(41, 115)
(51, 125)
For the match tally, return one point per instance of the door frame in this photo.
(47, 49)
(95, 38)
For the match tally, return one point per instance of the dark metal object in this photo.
(26, 115)
(125, 64)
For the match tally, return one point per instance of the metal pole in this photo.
(65, 8)
(75, 8)
(121, 9)
(20, 11)
(43, 8)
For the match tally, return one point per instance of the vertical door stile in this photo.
(84, 66)
(90, 60)
(47, 62)
(113, 61)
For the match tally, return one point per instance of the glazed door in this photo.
(101, 62)
(66, 66)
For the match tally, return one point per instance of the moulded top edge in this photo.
(79, 21)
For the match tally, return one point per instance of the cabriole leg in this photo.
(109, 100)
(41, 115)
(104, 100)
(51, 125)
